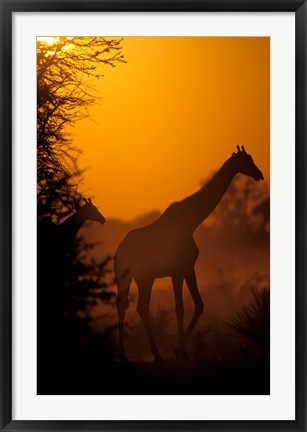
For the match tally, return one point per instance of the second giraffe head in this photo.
(89, 211)
(244, 164)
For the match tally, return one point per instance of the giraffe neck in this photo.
(72, 225)
(193, 210)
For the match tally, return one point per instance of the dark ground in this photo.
(64, 376)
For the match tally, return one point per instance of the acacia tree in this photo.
(66, 69)
(66, 72)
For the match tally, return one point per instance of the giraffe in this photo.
(56, 241)
(167, 248)
(55, 262)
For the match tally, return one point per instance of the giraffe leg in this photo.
(177, 285)
(121, 316)
(122, 304)
(191, 281)
(145, 288)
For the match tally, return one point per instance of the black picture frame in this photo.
(7, 9)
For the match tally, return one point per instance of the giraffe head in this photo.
(244, 164)
(88, 211)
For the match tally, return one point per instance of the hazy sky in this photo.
(170, 117)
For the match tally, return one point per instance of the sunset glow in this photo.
(153, 215)
(171, 116)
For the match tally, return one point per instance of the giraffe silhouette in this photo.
(167, 248)
(56, 245)
(55, 242)
(64, 234)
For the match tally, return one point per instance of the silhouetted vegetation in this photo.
(252, 323)
(71, 280)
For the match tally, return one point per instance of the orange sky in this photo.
(170, 117)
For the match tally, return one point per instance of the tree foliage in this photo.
(70, 281)
(66, 70)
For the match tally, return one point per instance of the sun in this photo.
(50, 40)
(63, 41)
